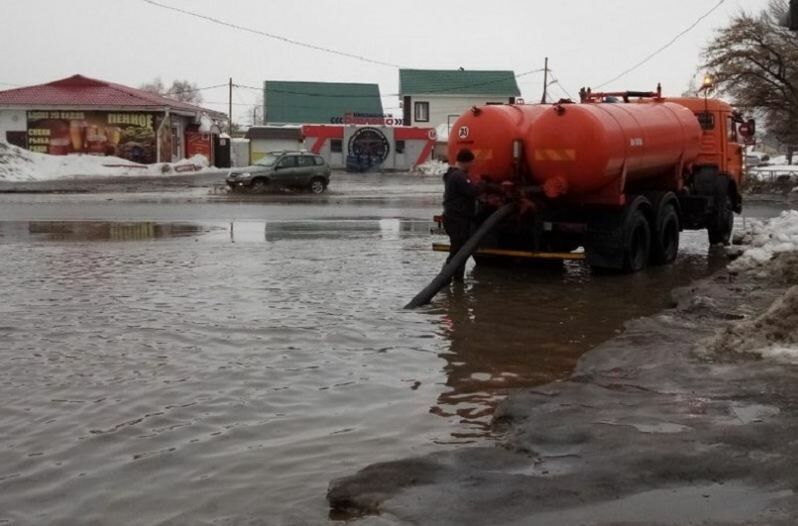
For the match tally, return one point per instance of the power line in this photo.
(193, 90)
(663, 48)
(272, 35)
(556, 82)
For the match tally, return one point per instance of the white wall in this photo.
(443, 106)
(12, 120)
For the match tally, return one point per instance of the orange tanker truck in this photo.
(619, 174)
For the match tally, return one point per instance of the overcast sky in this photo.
(131, 42)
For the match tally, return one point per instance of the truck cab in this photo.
(722, 145)
(723, 141)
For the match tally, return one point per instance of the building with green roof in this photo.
(290, 102)
(436, 97)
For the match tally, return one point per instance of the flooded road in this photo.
(181, 358)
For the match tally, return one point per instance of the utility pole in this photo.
(230, 106)
(545, 81)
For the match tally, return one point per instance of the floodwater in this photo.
(181, 358)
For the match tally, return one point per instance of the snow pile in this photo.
(765, 239)
(774, 172)
(18, 165)
(432, 167)
(773, 334)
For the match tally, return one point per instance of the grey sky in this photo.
(131, 42)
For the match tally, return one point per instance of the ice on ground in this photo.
(432, 168)
(765, 239)
(773, 334)
(19, 165)
(780, 353)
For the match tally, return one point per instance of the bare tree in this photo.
(185, 91)
(755, 62)
(155, 86)
(182, 90)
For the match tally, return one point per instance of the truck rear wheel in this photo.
(637, 244)
(665, 241)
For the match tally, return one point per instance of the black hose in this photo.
(446, 273)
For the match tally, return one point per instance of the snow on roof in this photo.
(78, 90)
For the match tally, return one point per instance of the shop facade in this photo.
(83, 116)
(370, 148)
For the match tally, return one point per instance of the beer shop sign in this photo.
(129, 135)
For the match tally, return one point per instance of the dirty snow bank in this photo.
(773, 334)
(771, 255)
(432, 168)
(769, 173)
(18, 165)
(765, 239)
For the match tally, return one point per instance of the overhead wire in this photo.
(194, 89)
(273, 36)
(663, 48)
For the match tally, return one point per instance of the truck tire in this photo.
(637, 242)
(722, 221)
(665, 239)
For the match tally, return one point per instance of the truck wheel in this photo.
(665, 241)
(722, 222)
(637, 245)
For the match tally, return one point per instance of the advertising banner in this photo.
(130, 135)
(199, 144)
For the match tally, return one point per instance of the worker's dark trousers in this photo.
(459, 231)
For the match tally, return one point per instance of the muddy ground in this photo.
(680, 420)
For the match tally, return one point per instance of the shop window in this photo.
(336, 146)
(422, 111)
(400, 146)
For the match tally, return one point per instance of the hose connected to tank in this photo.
(446, 273)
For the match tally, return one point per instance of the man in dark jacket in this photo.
(459, 206)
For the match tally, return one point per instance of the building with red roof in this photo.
(81, 115)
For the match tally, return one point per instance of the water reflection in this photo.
(96, 230)
(235, 231)
(522, 328)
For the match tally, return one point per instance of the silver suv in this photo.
(301, 170)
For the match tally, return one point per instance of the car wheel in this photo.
(259, 186)
(318, 186)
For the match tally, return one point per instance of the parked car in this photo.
(300, 170)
